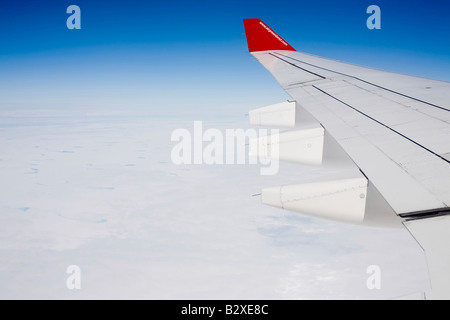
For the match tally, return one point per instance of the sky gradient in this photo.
(191, 57)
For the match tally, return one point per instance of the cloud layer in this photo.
(103, 194)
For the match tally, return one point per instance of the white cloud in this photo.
(104, 195)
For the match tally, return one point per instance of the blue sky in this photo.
(192, 55)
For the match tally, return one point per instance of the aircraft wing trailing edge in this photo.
(389, 133)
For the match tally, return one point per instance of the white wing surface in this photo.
(393, 129)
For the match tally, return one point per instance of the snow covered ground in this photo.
(101, 192)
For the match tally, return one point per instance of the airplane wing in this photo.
(389, 132)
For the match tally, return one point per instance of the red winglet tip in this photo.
(261, 38)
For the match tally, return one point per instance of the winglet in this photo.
(261, 38)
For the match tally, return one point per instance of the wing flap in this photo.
(433, 236)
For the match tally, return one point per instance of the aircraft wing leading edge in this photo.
(393, 129)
